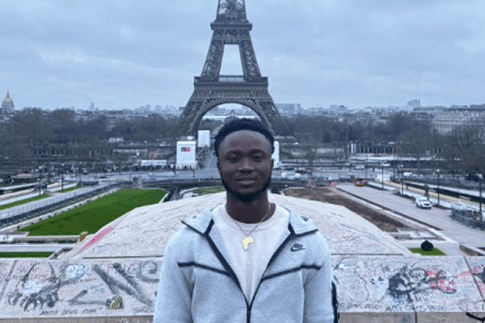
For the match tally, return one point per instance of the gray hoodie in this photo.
(198, 284)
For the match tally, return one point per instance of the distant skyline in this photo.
(123, 54)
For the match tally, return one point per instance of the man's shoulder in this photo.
(194, 226)
(300, 223)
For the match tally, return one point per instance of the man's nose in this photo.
(246, 165)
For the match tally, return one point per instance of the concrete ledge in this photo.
(378, 318)
(120, 319)
(472, 251)
(46, 239)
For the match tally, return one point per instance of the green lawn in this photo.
(25, 254)
(94, 215)
(35, 198)
(208, 190)
(434, 252)
(69, 189)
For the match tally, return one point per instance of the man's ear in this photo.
(218, 165)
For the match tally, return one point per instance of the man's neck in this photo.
(251, 212)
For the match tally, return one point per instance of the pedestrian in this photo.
(247, 260)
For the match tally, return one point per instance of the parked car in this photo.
(423, 203)
(359, 167)
(359, 181)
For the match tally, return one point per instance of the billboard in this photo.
(276, 154)
(204, 138)
(186, 154)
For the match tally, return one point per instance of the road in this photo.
(436, 216)
(34, 247)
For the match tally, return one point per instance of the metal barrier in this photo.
(467, 217)
(49, 204)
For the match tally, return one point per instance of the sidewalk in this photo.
(436, 217)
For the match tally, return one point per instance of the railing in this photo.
(232, 79)
(50, 203)
(467, 218)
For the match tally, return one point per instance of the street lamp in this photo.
(438, 190)
(480, 187)
(62, 177)
(402, 181)
(40, 180)
(382, 175)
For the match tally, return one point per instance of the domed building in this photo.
(7, 105)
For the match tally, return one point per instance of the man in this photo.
(247, 260)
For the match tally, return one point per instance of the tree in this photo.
(414, 142)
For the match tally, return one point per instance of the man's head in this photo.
(241, 124)
(243, 148)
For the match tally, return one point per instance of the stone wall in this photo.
(389, 289)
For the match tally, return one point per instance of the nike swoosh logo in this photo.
(297, 247)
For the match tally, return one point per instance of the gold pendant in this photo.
(246, 242)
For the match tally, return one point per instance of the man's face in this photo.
(245, 164)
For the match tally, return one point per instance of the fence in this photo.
(468, 218)
(48, 204)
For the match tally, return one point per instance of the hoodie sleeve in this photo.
(174, 293)
(318, 306)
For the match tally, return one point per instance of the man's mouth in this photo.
(246, 180)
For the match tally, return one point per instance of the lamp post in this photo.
(40, 180)
(438, 190)
(62, 177)
(382, 175)
(480, 201)
(402, 181)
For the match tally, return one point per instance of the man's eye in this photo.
(233, 159)
(258, 157)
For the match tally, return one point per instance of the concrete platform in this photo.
(113, 275)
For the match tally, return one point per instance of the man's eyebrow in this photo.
(256, 150)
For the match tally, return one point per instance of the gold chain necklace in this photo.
(248, 239)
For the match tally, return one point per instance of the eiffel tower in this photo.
(211, 89)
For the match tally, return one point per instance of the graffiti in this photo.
(481, 275)
(39, 287)
(400, 285)
(42, 288)
(478, 272)
(146, 272)
(96, 238)
(412, 281)
(355, 285)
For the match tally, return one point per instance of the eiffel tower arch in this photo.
(211, 89)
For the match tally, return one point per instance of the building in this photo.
(7, 107)
(288, 109)
(444, 123)
(414, 103)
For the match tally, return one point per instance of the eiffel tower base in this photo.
(207, 96)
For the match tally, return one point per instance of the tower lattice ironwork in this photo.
(211, 89)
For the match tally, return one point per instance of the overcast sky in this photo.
(127, 53)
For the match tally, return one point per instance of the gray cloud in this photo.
(125, 53)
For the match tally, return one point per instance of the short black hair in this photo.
(242, 124)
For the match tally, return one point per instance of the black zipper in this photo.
(231, 272)
(273, 258)
(221, 258)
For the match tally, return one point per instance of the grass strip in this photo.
(94, 215)
(20, 202)
(208, 190)
(25, 254)
(69, 189)
(434, 252)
